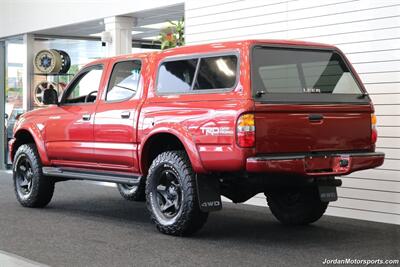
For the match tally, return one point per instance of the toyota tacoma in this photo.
(180, 128)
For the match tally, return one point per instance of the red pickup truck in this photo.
(181, 127)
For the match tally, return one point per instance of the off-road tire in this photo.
(135, 193)
(42, 188)
(190, 218)
(306, 209)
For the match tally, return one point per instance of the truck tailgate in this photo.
(312, 128)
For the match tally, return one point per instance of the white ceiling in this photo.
(147, 17)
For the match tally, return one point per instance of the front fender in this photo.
(184, 137)
(36, 134)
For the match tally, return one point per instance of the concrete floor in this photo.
(91, 225)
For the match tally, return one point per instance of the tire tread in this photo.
(43, 188)
(307, 212)
(192, 218)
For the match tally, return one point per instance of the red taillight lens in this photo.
(246, 131)
(374, 132)
(374, 136)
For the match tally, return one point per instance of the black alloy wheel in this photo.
(168, 194)
(24, 176)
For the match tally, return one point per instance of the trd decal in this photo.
(214, 131)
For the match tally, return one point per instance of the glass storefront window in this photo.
(14, 73)
(13, 87)
(80, 52)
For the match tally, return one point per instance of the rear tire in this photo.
(133, 192)
(171, 195)
(32, 188)
(296, 205)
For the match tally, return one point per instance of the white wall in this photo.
(22, 16)
(368, 31)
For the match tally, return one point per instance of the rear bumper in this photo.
(335, 164)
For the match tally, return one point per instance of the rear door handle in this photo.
(315, 117)
(125, 114)
(86, 117)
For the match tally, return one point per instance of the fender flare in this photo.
(39, 142)
(184, 137)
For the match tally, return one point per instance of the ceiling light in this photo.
(161, 25)
(96, 34)
(150, 38)
(99, 33)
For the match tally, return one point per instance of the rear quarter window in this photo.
(216, 73)
(176, 76)
(197, 74)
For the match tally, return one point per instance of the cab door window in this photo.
(124, 80)
(84, 88)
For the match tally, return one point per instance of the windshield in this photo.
(305, 73)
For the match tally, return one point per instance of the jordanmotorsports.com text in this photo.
(360, 261)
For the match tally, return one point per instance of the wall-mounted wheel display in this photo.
(48, 61)
(65, 61)
(40, 88)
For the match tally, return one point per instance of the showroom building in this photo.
(367, 31)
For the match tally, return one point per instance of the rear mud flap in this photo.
(327, 193)
(208, 193)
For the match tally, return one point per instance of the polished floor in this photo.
(91, 225)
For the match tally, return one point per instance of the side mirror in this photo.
(6, 116)
(50, 97)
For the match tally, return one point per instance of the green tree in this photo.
(173, 35)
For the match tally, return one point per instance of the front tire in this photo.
(171, 195)
(32, 188)
(296, 205)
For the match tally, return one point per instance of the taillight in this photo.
(246, 131)
(374, 132)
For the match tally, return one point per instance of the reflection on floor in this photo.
(11, 260)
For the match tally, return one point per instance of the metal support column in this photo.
(2, 104)
(120, 30)
(28, 41)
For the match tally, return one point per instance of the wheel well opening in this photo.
(21, 137)
(156, 145)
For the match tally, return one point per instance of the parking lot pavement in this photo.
(91, 225)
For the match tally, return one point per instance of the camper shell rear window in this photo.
(302, 75)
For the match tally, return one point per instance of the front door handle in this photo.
(86, 117)
(125, 114)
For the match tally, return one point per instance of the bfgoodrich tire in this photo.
(296, 205)
(32, 189)
(171, 195)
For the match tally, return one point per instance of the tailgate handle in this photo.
(315, 117)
